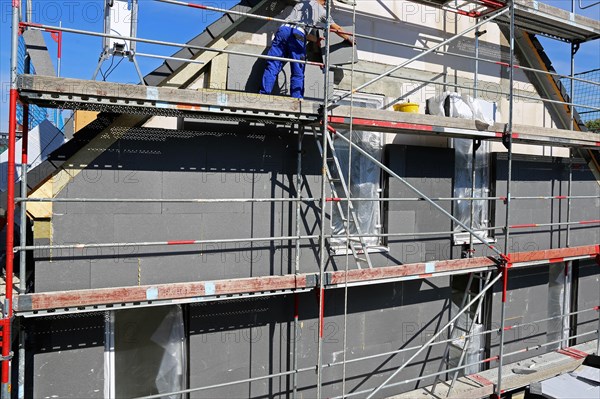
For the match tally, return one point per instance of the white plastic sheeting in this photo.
(149, 352)
(364, 181)
(463, 164)
(462, 106)
(556, 286)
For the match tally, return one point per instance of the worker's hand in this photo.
(350, 40)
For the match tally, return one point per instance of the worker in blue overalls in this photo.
(290, 42)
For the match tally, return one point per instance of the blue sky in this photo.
(179, 24)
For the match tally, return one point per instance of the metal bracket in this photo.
(476, 144)
(506, 138)
(575, 47)
(6, 358)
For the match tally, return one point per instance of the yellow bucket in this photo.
(407, 107)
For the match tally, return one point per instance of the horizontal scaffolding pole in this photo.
(409, 78)
(484, 361)
(533, 225)
(482, 240)
(421, 195)
(165, 57)
(234, 12)
(301, 199)
(339, 363)
(312, 368)
(163, 43)
(419, 56)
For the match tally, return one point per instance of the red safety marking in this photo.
(499, 134)
(515, 135)
(425, 275)
(331, 129)
(556, 260)
(200, 6)
(504, 284)
(597, 308)
(373, 122)
(589, 221)
(181, 242)
(522, 226)
(574, 353)
(480, 379)
(490, 359)
(597, 143)
(561, 197)
(506, 64)
(508, 328)
(332, 199)
(492, 3)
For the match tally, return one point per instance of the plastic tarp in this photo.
(150, 355)
(554, 327)
(364, 181)
(462, 106)
(463, 164)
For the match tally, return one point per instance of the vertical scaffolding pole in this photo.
(565, 321)
(23, 242)
(322, 257)
(472, 210)
(297, 259)
(506, 262)
(10, 204)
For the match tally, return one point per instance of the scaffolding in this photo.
(323, 119)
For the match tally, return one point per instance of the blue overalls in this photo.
(289, 42)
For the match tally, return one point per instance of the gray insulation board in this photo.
(254, 339)
(434, 179)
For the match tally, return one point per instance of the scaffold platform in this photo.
(56, 92)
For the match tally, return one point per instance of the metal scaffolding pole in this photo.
(322, 257)
(297, 258)
(348, 240)
(164, 43)
(22, 243)
(506, 264)
(420, 194)
(10, 208)
(407, 381)
(432, 339)
(419, 56)
(305, 199)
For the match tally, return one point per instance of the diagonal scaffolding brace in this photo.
(503, 257)
(432, 339)
(419, 56)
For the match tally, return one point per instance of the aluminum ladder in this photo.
(484, 279)
(333, 172)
